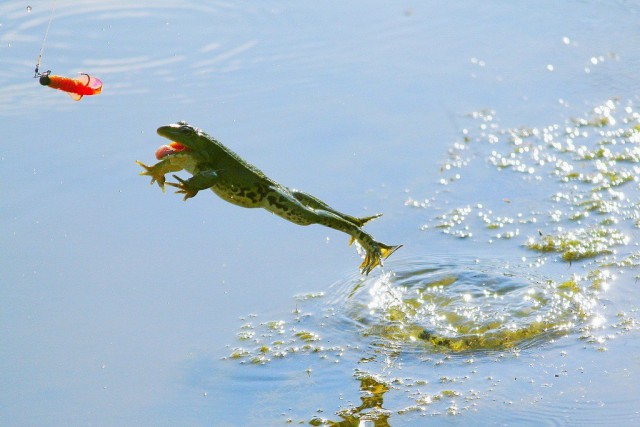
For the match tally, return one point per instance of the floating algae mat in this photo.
(569, 189)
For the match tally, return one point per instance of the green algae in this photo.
(307, 336)
(239, 353)
(245, 335)
(291, 340)
(579, 244)
(591, 161)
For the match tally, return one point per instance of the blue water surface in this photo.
(118, 303)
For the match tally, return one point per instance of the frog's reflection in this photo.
(370, 412)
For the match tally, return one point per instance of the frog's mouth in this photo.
(172, 148)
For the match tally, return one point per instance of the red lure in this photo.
(82, 85)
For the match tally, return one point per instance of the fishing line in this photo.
(46, 33)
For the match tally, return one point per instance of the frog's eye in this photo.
(186, 129)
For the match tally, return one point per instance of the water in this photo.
(483, 132)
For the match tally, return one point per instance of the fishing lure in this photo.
(82, 85)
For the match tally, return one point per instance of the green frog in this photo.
(216, 167)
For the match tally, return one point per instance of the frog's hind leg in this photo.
(288, 206)
(375, 251)
(315, 203)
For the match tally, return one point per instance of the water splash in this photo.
(431, 305)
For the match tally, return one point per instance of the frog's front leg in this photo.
(202, 180)
(157, 171)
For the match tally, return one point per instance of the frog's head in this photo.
(184, 138)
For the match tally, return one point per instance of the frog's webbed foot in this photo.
(183, 187)
(374, 256)
(371, 260)
(156, 174)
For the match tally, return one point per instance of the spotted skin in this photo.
(213, 166)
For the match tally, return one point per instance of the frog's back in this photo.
(240, 182)
(230, 160)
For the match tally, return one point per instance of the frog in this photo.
(215, 167)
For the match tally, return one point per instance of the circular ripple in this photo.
(458, 305)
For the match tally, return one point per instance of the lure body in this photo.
(78, 87)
